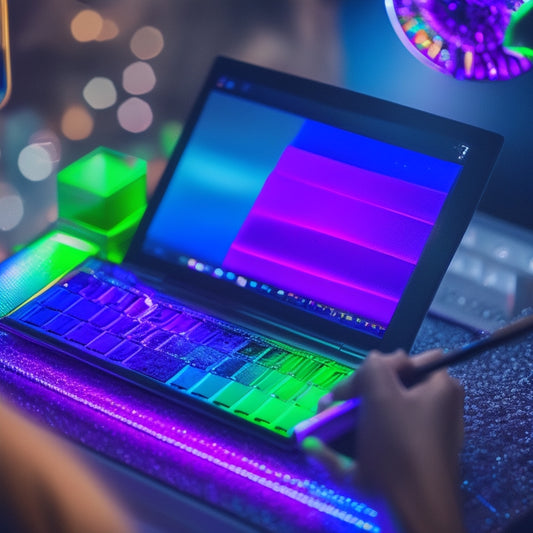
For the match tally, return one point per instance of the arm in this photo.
(408, 441)
(44, 488)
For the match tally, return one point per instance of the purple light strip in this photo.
(275, 481)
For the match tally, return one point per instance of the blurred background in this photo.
(124, 73)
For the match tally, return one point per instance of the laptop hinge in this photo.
(350, 352)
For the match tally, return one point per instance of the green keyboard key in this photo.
(270, 411)
(290, 418)
(230, 394)
(252, 401)
(329, 376)
(309, 399)
(270, 380)
(306, 369)
(289, 389)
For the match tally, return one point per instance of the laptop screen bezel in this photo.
(447, 232)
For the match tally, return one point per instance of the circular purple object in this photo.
(463, 38)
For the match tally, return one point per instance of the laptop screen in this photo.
(299, 202)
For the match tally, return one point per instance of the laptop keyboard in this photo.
(266, 382)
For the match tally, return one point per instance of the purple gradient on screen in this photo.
(335, 233)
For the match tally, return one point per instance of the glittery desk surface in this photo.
(272, 489)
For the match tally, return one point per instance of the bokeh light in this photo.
(76, 123)
(48, 140)
(147, 42)
(86, 26)
(109, 30)
(35, 162)
(138, 78)
(135, 115)
(11, 207)
(100, 93)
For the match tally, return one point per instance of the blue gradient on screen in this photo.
(376, 156)
(220, 175)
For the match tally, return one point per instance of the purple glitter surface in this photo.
(272, 489)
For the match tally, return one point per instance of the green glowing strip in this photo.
(519, 34)
(39, 265)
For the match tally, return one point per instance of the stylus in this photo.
(340, 418)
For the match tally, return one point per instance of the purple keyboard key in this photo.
(59, 298)
(105, 317)
(84, 309)
(39, 316)
(123, 351)
(82, 334)
(104, 343)
(157, 365)
(61, 324)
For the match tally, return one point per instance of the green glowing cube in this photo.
(101, 198)
(102, 189)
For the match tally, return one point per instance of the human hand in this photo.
(407, 440)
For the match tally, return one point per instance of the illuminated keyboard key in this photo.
(84, 309)
(59, 298)
(251, 402)
(309, 398)
(160, 315)
(61, 324)
(104, 318)
(226, 341)
(289, 389)
(290, 418)
(188, 377)
(157, 365)
(201, 333)
(209, 386)
(155, 339)
(291, 363)
(204, 357)
(253, 349)
(275, 358)
(306, 369)
(231, 394)
(177, 345)
(139, 307)
(83, 334)
(182, 323)
(39, 316)
(104, 343)
(122, 325)
(270, 411)
(250, 373)
(229, 366)
(329, 376)
(269, 380)
(123, 351)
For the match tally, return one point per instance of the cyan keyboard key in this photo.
(231, 394)
(209, 386)
(188, 378)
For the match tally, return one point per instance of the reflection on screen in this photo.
(322, 218)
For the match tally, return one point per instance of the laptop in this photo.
(297, 227)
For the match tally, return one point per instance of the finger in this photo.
(376, 368)
(428, 357)
(342, 467)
